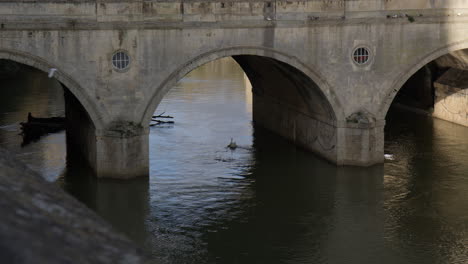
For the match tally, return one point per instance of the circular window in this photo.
(361, 55)
(120, 60)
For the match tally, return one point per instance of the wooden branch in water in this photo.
(162, 116)
(158, 122)
(161, 122)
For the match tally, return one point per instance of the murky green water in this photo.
(266, 202)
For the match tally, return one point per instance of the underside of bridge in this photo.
(80, 133)
(290, 104)
(439, 89)
(80, 129)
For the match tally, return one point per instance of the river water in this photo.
(267, 201)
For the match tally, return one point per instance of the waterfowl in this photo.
(232, 145)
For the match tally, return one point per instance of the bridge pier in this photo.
(122, 152)
(360, 142)
(118, 151)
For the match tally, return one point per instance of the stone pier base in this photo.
(361, 143)
(120, 151)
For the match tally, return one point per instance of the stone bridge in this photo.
(324, 72)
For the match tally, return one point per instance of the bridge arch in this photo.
(408, 72)
(316, 77)
(73, 86)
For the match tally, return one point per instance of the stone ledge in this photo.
(40, 223)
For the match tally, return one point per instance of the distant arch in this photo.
(41, 64)
(325, 89)
(411, 70)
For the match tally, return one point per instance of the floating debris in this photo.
(158, 122)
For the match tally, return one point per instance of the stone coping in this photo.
(41, 223)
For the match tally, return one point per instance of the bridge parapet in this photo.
(218, 11)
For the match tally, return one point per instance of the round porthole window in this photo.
(361, 56)
(120, 60)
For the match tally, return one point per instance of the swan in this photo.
(232, 145)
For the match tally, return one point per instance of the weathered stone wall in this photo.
(451, 97)
(290, 104)
(40, 223)
(457, 59)
(211, 11)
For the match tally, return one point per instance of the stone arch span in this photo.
(72, 86)
(316, 77)
(409, 71)
(289, 97)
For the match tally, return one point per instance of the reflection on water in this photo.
(32, 92)
(426, 189)
(268, 202)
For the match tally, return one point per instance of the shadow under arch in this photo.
(324, 88)
(411, 70)
(71, 85)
